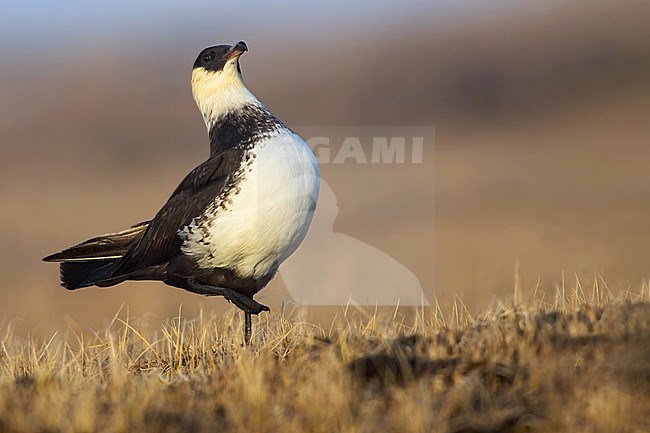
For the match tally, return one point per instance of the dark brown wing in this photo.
(161, 242)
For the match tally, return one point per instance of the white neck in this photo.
(218, 92)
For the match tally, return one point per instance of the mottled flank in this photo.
(258, 222)
(582, 368)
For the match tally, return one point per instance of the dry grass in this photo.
(578, 365)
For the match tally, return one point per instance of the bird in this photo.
(232, 220)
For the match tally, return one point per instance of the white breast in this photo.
(267, 219)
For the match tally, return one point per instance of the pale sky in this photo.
(44, 24)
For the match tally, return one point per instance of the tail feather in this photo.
(101, 248)
(95, 261)
(75, 275)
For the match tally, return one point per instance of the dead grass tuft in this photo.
(583, 366)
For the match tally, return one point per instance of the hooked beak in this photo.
(236, 51)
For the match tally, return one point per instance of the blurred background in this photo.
(541, 159)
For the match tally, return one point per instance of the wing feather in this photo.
(200, 187)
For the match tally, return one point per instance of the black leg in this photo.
(244, 302)
(248, 305)
(247, 328)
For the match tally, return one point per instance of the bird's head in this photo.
(217, 85)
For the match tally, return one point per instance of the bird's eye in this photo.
(207, 58)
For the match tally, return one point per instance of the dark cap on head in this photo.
(215, 58)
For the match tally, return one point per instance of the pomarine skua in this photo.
(233, 220)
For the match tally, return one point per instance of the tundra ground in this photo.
(578, 365)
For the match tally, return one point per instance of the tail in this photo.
(75, 275)
(93, 262)
(110, 246)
